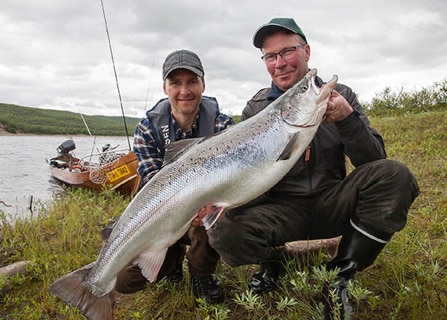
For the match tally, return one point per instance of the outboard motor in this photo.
(66, 147)
(108, 154)
(106, 147)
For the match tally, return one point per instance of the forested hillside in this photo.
(19, 119)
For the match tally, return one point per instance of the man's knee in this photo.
(404, 179)
(227, 238)
(218, 235)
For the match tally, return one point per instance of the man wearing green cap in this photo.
(316, 199)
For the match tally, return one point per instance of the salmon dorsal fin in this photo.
(175, 149)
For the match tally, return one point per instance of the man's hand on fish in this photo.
(338, 108)
(208, 208)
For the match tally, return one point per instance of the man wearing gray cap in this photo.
(184, 114)
(316, 199)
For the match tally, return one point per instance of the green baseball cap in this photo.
(276, 23)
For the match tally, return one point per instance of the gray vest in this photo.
(160, 118)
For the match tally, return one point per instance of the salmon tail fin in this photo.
(71, 289)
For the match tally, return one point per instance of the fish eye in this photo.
(304, 86)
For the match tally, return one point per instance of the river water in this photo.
(25, 180)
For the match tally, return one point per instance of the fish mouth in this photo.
(325, 91)
(313, 99)
(323, 95)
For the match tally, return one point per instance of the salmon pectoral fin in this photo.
(210, 218)
(71, 289)
(290, 147)
(150, 263)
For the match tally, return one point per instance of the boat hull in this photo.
(120, 175)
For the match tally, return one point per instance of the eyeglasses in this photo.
(285, 53)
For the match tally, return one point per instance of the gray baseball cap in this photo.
(182, 59)
(276, 23)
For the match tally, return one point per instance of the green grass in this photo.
(408, 280)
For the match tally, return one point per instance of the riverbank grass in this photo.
(408, 280)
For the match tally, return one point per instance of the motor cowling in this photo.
(66, 147)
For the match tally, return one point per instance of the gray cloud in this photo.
(55, 53)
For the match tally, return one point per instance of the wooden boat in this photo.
(113, 169)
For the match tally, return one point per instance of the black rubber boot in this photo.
(355, 252)
(265, 279)
(336, 301)
(206, 288)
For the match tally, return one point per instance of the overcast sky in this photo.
(54, 53)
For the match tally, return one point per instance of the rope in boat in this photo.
(99, 176)
(108, 162)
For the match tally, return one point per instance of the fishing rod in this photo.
(79, 110)
(116, 76)
(150, 80)
(85, 124)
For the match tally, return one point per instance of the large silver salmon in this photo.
(227, 169)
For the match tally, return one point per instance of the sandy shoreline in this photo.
(6, 133)
(3, 132)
